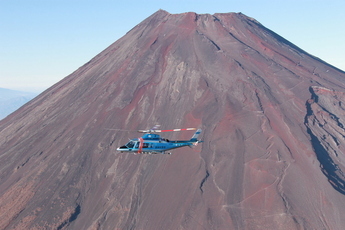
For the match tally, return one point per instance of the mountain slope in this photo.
(250, 90)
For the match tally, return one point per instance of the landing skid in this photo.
(150, 153)
(169, 153)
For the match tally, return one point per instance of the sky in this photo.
(43, 41)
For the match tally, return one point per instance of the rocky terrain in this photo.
(273, 131)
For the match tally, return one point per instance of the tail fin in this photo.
(195, 136)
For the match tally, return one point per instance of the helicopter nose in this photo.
(122, 148)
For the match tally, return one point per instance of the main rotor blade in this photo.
(173, 130)
(145, 131)
(161, 131)
(154, 128)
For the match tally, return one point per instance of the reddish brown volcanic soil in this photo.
(273, 121)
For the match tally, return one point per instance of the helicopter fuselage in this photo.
(153, 143)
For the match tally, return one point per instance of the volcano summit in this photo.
(273, 122)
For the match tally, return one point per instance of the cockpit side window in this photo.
(130, 144)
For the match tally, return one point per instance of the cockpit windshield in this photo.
(130, 144)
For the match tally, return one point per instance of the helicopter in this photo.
(152, 143)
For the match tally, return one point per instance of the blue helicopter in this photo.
(151, 143)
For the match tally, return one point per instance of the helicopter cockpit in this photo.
(129, 145)
(135, 144)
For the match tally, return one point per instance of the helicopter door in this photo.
(136, 145)
(139, 145)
